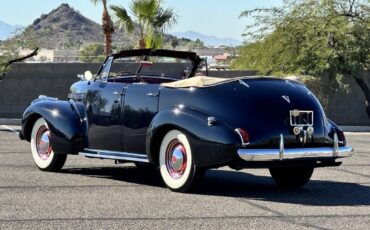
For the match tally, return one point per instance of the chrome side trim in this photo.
(47, 98)
(113, 155)
(295, 153)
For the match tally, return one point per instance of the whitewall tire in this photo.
(176, 162)
(42, 152)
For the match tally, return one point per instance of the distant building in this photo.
(66, 56)
(209, 51)
(222, 57)
(46, 55)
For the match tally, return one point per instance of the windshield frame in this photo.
(189, 56)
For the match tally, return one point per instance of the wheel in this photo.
(41, 149)
(176, 162)
(291, 177)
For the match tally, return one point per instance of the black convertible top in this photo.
(159, 52)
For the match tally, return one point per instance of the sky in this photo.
(211, 17)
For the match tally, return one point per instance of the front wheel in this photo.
(42, 152)
(291, 177)
(176, 162)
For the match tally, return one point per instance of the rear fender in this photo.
(211, 144)
(334, 128)
(66, 121)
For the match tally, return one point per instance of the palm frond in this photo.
(104, 2)
(145, 10)
(123, 18)
(165, 18)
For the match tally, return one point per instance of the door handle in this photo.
(118, 93)
(152, 94)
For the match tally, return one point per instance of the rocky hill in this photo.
(207, 39)
(6, 30)
(66, 28)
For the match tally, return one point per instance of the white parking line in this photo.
(10, 129)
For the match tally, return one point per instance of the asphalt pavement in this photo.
(97, 194)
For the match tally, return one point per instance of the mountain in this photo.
(207, 39)
(6, 30)
(64, 27)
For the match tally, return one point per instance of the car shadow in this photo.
(245, 185)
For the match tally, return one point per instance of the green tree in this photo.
(9, 50)
(92, 53)
(151, 18)
(310, 37)
(107, 26)
(163, 19)
(174, 43)
(197, 44)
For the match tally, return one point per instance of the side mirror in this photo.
(88, 75)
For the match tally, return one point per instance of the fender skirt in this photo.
(66, 121)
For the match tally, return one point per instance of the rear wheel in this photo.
(291, 177)
(42, 152)
(176, 162)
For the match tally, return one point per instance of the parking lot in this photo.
(98, 194)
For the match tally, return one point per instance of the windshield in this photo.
(164, 67)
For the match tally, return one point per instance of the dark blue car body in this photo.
(243, 123)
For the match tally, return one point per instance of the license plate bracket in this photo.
(301, 118)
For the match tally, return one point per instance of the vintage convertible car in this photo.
(150, 107)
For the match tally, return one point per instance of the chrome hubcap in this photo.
(176, 159)
(43, 143)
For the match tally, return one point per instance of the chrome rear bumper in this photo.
(295, 153)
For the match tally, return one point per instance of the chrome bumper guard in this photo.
(295, 153)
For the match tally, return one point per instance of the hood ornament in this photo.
(285, 97)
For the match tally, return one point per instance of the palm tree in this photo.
(174, 43)
(164, 19)
(151, 18)
(107, 26)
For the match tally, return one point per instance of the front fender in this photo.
(214, 144)
(66, 121)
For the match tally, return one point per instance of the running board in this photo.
(103, 154)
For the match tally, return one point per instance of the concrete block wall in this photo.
(349, 108)
(26, 82)
(232, 73)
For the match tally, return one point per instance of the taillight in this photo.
(341, 138)
(244, 136)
